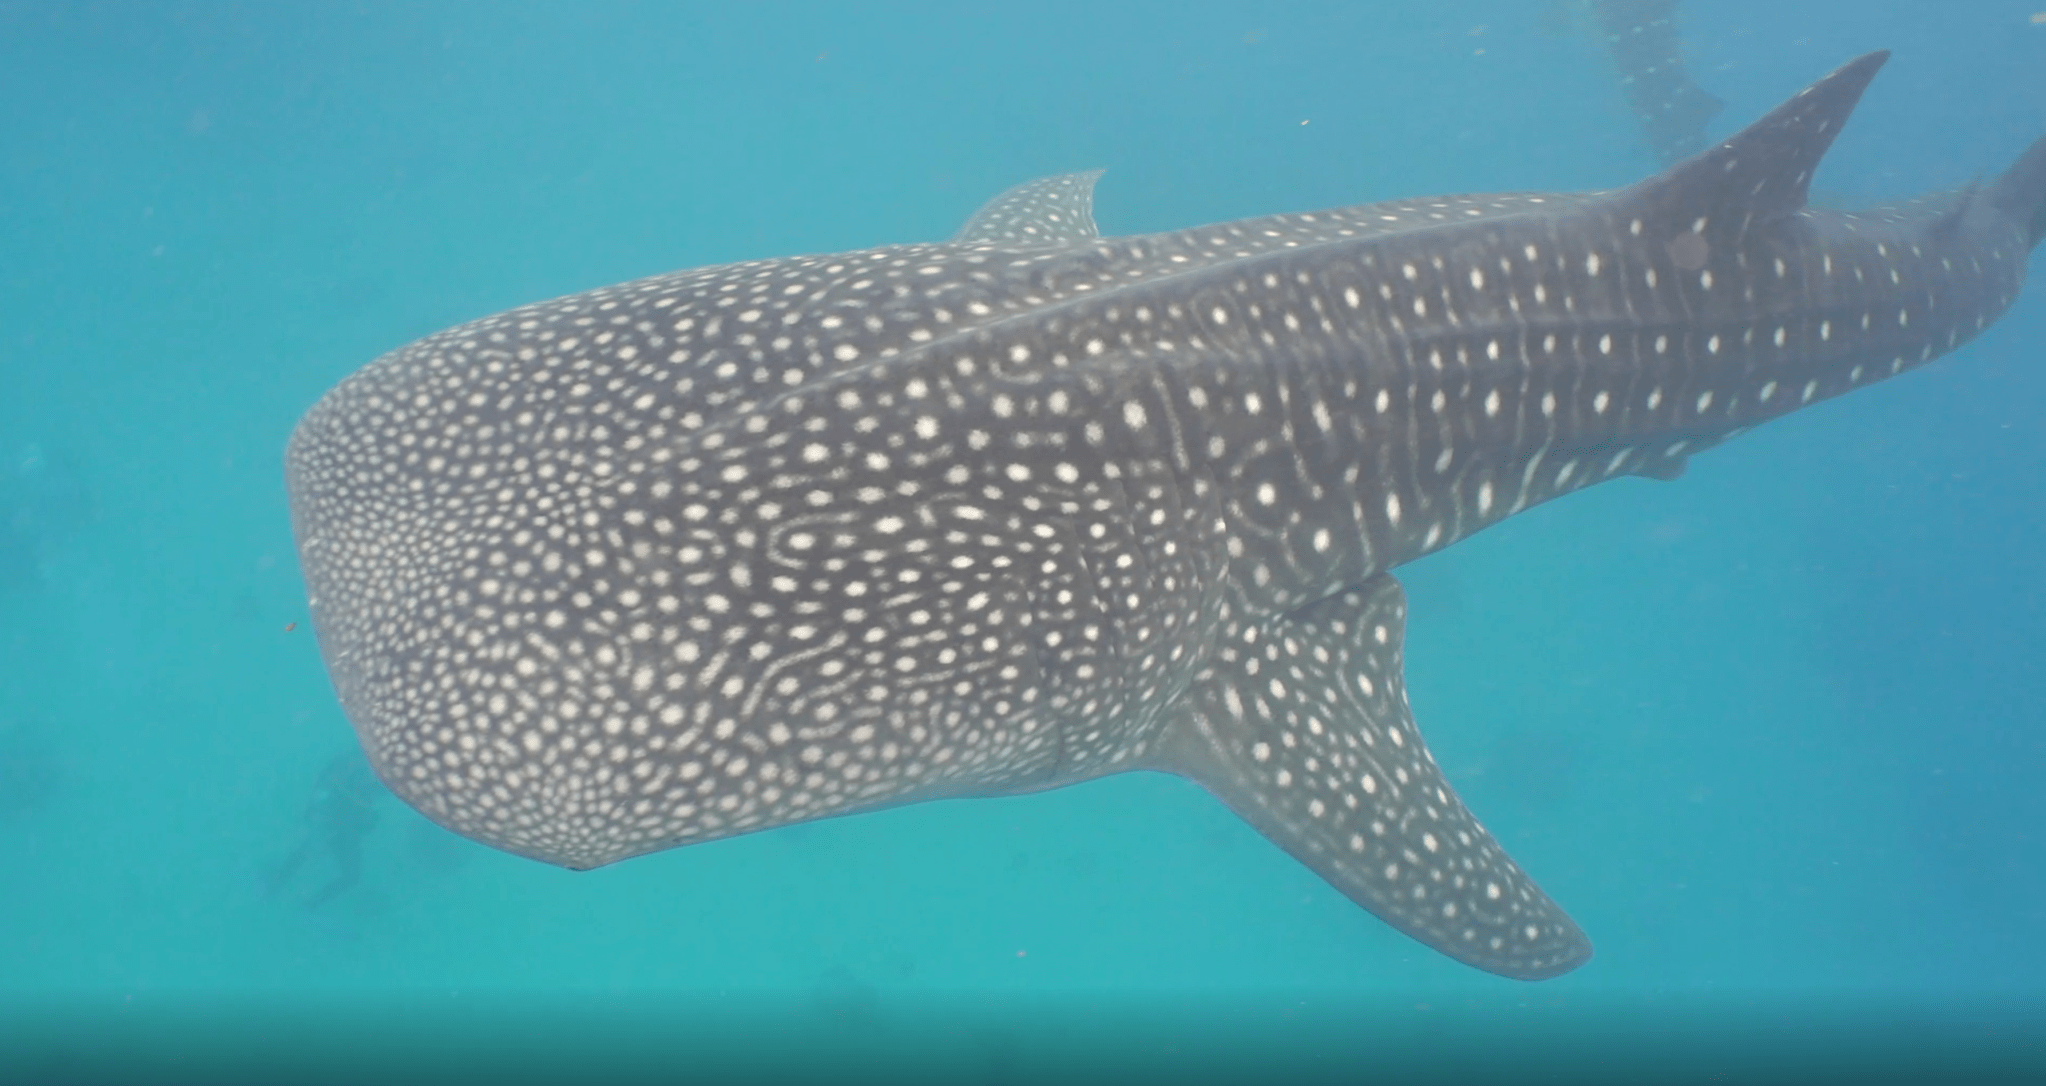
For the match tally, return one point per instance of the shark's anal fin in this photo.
(1048, 211)
(1304, 730)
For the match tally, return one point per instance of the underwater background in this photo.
(1774, 734)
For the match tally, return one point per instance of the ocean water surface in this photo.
(1772, 733)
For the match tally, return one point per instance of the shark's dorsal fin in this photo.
(1048, 211)
(1301, 726)
(1765, 171)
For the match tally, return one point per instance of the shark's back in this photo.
(742, 546)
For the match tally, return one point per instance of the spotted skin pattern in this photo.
(1643, 40)
(736, 547)
(1050, 211)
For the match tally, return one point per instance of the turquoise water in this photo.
(1772, 733)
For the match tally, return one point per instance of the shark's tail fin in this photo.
(2021, 191)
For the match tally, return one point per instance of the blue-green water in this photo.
(1772, 733)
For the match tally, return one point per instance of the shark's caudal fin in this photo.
(1048, 211)
(2021, 191)
(1302, 727)
(1765, 171)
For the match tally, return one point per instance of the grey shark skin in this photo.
(731, 548)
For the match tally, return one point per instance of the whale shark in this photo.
(737, 547)
(1643, 40)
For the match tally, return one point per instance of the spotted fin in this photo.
(1764, 172)
(1302, 727)
(1048, 211)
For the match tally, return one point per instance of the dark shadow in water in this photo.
(336, 824)
(845, 998)
(31, 774)
(43, 502)
(432, 850)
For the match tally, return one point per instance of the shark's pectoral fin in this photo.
(1048, 211)
(1305, 732)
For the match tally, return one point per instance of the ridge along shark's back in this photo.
(742, 546)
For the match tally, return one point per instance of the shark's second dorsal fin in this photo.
(1048, 211)
(1764, 171)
